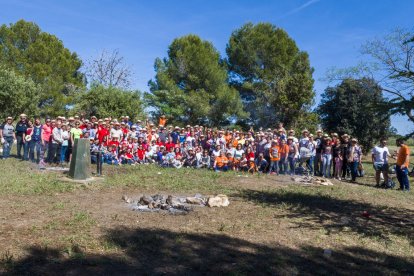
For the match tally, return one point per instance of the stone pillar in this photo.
(81, 159)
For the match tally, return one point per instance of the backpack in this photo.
(389, 185)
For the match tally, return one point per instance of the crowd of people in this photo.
(272, 151)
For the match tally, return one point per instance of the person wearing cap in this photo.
(190, 158)
(403, 160)
(89, 129)
(354, 158)
(21, 128)
(175, 135)
(116, 131)
(8, 137)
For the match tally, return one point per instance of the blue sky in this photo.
(331, 31)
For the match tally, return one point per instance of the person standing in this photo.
(65, 144)
(354, 158)
(8, 137)
(402, 165)
(380, 156)
(56, 144)
(318, 153)
(46, 137)
(36, 143)
(21, 128)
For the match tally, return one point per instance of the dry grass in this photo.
(271, 227)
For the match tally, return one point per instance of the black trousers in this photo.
(54, 153)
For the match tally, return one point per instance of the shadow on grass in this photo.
(149, 252)
(336, 215)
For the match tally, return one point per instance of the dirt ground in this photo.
(271, 227)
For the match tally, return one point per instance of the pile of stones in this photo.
(312, 180)
(175, 204)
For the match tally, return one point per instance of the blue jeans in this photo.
(26, 151)
(402, 176)
(274, 166)
(7, 146)
(291, 162)
(283, 165)
(354, 170)
(223, 169)
(326, 165)
(310, 164)
(63, 150)
(35, 146)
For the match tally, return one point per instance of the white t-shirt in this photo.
(116, 133)
(380, 154)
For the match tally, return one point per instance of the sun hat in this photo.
(305, 130)
(28, 138)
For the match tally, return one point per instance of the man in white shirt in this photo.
(380, 156)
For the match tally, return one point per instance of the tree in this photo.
(102, 101)
(42, 57)
(272, 75)
(191, 86)
(109, 69)
(390, 61)
(17, 94)
(352, 107)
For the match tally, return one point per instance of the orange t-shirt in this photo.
(221, 161)
(162, 121)
(402, 156)
(274, 153)
(283, 150)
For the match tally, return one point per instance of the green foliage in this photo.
(102, 101)
(272, 75)
(390, 61)
(42, 57)
(190, 85)
(352, 107)
(17, 94)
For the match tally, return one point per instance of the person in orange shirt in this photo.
(162, 121)
(220, 163)
(402, 165)
(283, 154)
(274, 158)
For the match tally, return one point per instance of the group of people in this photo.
(273, 151)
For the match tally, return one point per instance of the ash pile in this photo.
(175, 204)
(312, 180)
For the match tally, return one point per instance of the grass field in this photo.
(272, 225)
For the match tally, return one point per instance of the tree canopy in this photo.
(110, 101)
(191, 86)
(17, 94)
(390, 61)
(353, 107)
(272, 75)
(42, 57)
